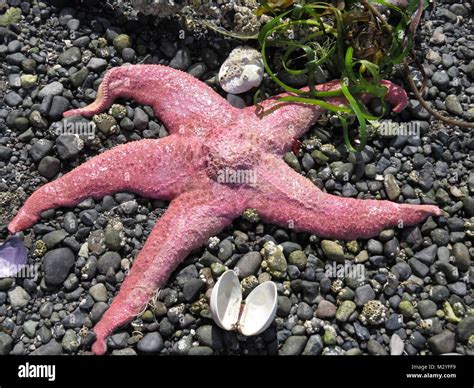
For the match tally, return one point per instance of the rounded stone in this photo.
(99, 292)
(326, 310)
(49, 167)
(248, 264)
(109, 260)
(57, 264)
(151, 343)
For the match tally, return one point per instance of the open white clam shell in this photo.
(251, 318)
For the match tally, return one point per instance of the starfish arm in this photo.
(182, 102)
(146, 167)
(306, 208)
(191, 219)
(286, 121)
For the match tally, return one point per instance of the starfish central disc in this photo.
(234, 156)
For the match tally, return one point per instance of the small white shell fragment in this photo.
(396, 345)
(242, 70)
(251, 318)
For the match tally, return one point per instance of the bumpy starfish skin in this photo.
(208, 140)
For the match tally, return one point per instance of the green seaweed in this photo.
(355, 44)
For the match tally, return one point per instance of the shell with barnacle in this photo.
(242, 70)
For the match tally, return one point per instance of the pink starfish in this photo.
(209, 141)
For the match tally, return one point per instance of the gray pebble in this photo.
(283, 306)
(304, 311)
(54, 88)
(59, 105)
(181, 60)
(74, 320)
(375, 348)
(18, 297)
(5, 152)
(124, 352)
(46, 309)
(97, 311)
(70, 342)
(444, 342)
(73, 24)
(57, 264)
(461, 256)
(183, 346)
(109, 260)
(465, 328)
(49, 167)
(447, 60)
(53, 238)
(70, 224)
(192, 289)
(186, 274)
(396, 345)
(417, 111)
(418, 340)
(210, 336)
(374, 247)
(200, 351)
(427, 308)
(151, 343)
(248, 264)
(391, 187)
(236, 101)
(6, 343)
(363, 294)
(289, 246)
(440, 79)
(88, 217)
(314, 346)
(44, 334)
(293, 346)
(458, 288)
(197, 70)
(78, 78)
(361, 331)
(226, 248)
(118, 340)
(418, 268)
(439, 293)
(140, 119)
(70, 57)
(99, 292)
(52, 348)
(12, 99)
(427, 255)
(68, 146)
(440, 237)
(128, 54)
(394, 322)
(97, 64)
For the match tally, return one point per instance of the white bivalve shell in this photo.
(242, 70)
(251, 318)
